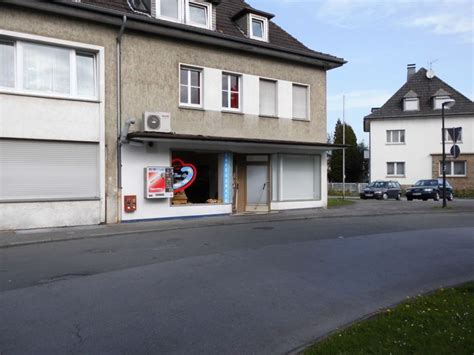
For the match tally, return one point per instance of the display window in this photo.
(195, 178)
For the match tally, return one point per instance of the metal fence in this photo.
(350, 187)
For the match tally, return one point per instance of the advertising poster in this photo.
(158, 182)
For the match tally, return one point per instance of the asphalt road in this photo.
(243, 289)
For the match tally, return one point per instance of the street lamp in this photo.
(448, 104)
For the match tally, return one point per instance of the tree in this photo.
(354, 156)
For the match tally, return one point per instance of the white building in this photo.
(405, 133)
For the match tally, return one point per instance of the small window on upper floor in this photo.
(396, 136)
(300, 102)
(170, 9)
(190, 87)
(231, 91)
(198, 14)
(268, 98)
(190, 12)
(7, 64)
(258, 27)
(438, 102)
(411, 104)
(453, 135)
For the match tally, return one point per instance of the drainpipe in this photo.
(119, 115)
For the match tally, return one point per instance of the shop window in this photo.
(196, 178)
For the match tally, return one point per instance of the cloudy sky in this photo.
(379, 38)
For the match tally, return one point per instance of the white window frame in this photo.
(229, 91)
(167, 18)
(405, 101)
(451, 163)
(308, 102)
(264, 21)
(18, 88)
(441, 99)
(395, 168)
(447, 138)
(276, 96)
(391, 132)
(208, 7)
(201, 81)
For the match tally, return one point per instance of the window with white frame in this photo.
(300, 102)
(453, 168)
(396, 168)
(268, 98)
(396, 136)
(185, 11)
(449, 135)
(170, 9)
(411, 104)
(258, 27)
(7, 64)
(198, 14)
(231, 91)
(190, 86)
(27, 67)
(439, 100)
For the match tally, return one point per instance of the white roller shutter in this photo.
(300, 177)
(47, 170)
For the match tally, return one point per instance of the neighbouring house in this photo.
(118, 110)
(406, 133)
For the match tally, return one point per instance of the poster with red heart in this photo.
(184, 174)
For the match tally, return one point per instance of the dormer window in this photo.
(440, 97)
(198, 14)
(190, 12)
(411, 102)
(258, 27)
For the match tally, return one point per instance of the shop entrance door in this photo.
(257, 187)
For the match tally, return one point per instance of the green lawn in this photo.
(439, 323)
(337, 202)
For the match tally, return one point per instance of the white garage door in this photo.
(33, 170)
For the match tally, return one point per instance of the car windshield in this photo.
(427, 183)
(378, 184)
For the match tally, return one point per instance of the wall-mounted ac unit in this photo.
(157, 122)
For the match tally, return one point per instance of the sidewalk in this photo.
(367, 208)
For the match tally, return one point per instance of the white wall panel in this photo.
(250, 100)
(285, 97)
(212, 89)
(42, 118)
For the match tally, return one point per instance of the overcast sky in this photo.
(379, 38)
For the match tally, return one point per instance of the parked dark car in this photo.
(429, 189)
(382, 190)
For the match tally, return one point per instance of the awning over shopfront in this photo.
(233, 144)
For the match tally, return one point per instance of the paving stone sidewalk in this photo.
(360, 208)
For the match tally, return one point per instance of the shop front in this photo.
(171, 175)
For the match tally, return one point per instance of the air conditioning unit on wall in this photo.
(157, 122)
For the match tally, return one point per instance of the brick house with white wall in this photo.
(405, 133)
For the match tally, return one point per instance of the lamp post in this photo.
(448, 104)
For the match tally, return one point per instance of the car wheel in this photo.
(436, 197)
(450, 196)
(385, 196)
(409, 198)
(424, 199)
(362, 198)
(399, 196)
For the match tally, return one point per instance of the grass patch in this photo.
(439, 323)
(337, 202)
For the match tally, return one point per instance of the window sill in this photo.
(233, 112)
(196, 108)
(301, 119)
(403, 143)
(268, 116)
(453, 176)
(48, 96)
(395, 176)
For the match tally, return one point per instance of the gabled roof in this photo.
(425, 88)
(410, 95)
(226, 10)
